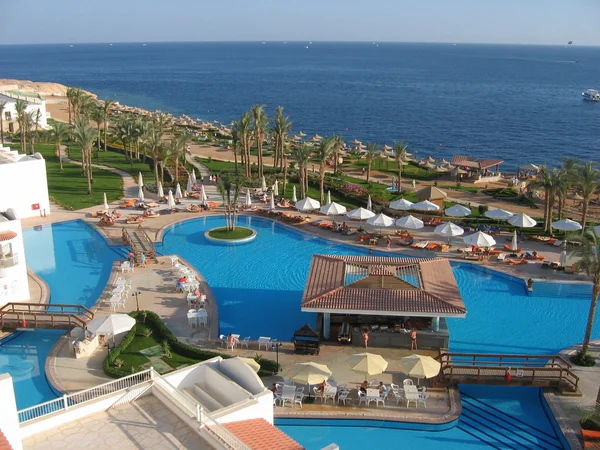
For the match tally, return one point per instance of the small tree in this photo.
(166, 349)
(230, 191)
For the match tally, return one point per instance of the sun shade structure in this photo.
(458, 211)
(381, 221)
(499, 214)
(111, 325)
(333, 209)
(410, 223)
(566, 225)
(178, 194)
(248, 202)
(474, 163)
(420, 366)
(480, 239)
(140, 179)
(401, 205)
(431, 193)
(307, 204)
(170, 200)
(383, 286)
(360, 214)
(203, 196)
(522, 220)
(367, 364)
(449, 229)
(141, 194)
(369, 204)
(294, 198)
(310, 373)
(425, 205)
(251, 362)
(161, 192)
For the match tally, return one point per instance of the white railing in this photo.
(69, 400)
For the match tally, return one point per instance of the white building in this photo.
(34, 102)
(23, 184)
(14, 285)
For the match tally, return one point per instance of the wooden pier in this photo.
(44, 315)
(140, 243)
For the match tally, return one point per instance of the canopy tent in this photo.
(458, 211)
(111, 325)
(401, 204)
(367, 364)
(480, 239)
(410, 223)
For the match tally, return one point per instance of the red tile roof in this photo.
(4, 444)
(7, 235)
(475, 163)
(385, 285)
(258, 434)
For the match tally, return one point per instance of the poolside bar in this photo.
(386, 296)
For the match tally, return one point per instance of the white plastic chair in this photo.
(380, 399)
(397, 396)
(362, 398)
(223, 339)
(422, 400)
(298, 398)
(245, 342)
(343, 397)
(374, 383)
(277, 398)
(119, 281)
(273, 344)
(408, 382)
(318, 394)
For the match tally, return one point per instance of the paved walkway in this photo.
(145, 423)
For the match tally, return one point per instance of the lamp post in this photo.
(277, 346)
(137, 302)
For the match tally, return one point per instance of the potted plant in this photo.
(590, 422)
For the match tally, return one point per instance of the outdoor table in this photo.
(373, 395)
(115, 301)
(263, 340)
(195, 316)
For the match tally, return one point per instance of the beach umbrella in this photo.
(356, 142)
(294, 198)
(194, 180)
(178, 194)
(479, 239)
(514, 243)
(141, 194)
(445, 162)
(425, 205)
(203, 196)
(563, 254)
(419, 366)
(566, 225)
(333, 209)
(272, 205)
(449, 229)
(430, 159)
(387, 148)
(441, 169)
(458, 211)
(301, 134)
(111, 324)
(427, 165)
(307, 204)
(459, 171)
(170, 200)
(161, 192)
(401, 204)
(522, 220)
(140, 179)
(499, 214)
(250, 361)
(248, 202)
(381, 221)
(367, 364)
(328, 197)
(310, 373)
(360, 214)
(276, 188)
(264, 184)
(189, 186)
(105, 202)
(410, 223)
(369, 204)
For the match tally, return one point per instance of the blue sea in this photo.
(518, 103)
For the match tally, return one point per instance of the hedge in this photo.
(162, 333)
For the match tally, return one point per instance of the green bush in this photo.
(483, 209)
(583, 359)
(108, 364)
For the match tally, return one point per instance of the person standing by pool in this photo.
(413, 339)
(388, 243)
(366, 337)
(143, 263)
(131, 258)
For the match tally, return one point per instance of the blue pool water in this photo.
(76, 262)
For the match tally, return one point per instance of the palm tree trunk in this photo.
(177, 170)
(368, 172)
(591, 316)
(2, 128)
(560, 206)
(98, 140)
(322, 181)
(235, 160)
(89, 170)
(155, 161)
(260, 158)
(59, 153)
(335, 160)
(284, 178)
(105, 126)
(584, 212)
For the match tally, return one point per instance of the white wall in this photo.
(9, 420)
(259, 408)
(240, 372)
(26, 184)
(10, 107)
(14, 284)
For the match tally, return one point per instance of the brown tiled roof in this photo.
(7, 235)
(475, 163)
(431, 193)
(384, 284)
(4, 444)
(258, 434)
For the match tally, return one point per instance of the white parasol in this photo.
(499, 214)
(514, 243)
(276, 188)
(194, 180)
(360, 214)
(458, 211)
(480, 239)
(141, 194)
(307, 204)
(425, 205)
(105, 202)
(449, 229)
(189, 186)
(410, 223)
(420, 366)
(369, 204)
(264, 184)
(203, 196)
(381, 221)
(310, 373)
(522, 220)
(328, 197)
(566, 225)
(272, 204)
(178, 194)
(402, 205)
(367, 364)
(170, 200)
(161, 192)
(294, 198)
(248, 202)
(140, 179)
(333, 209)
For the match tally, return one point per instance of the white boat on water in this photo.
(591, 95)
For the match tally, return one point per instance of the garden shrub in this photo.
(482, 209)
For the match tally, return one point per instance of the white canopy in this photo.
(272, 202)
(161, 192)
(111, 325)
(276, 188)
(480, 239)
(264, 184)
(500, 214)
(178, 193)
(170, 200)
(141, 194)
(105, 202)
(381, 221)
(140, 179)
(410, 222)
(333, 209)
(458, 211)
(566, 225)
(307, 204)
(522, 220)
(294, 198)
(203, 197)
(449, 229)
(248, 202)
(425, 205)
(194, 180)
(360, 214)
(402, 205)
(369, 204)
(514, 243)
(328, 197)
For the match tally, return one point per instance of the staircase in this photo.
(500, 430)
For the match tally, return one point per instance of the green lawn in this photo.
(389, 167)
(473, 189)
(69, 187)
(223, 233)
(217, 166)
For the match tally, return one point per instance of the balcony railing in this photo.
(9, 261)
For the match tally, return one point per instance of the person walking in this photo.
(413, 340)
(366, 338)
(143, 263)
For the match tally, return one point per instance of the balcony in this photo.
(9, 260)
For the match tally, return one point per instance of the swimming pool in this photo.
(75, 261)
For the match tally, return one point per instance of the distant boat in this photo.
(263, 42)
(591, 95)
(110, 45)
(570, 42)
(70, 45)
(143, 45)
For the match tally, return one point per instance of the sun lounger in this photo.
(557, 243)
(551, 241)
(314, 223)
(431, 246)
(473, 257)
(128, 203)
(364, 237)
(508, 249)
(325, 224)
(571, 269)
(420, 245)
(516, 262)
(495, 251)
(404, 241)
(501, 256)
(443, 247)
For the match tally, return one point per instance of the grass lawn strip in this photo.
(224, 234)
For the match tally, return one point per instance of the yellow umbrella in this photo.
(310, 373)
(367, 364)
(420, 366)
(251, 362)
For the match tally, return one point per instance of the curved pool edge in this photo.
(239, 241)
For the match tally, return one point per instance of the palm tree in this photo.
(177, 150)
(2, 107)
(370, 157)
(338, 144)
(230, 191)
(20, 106)
(33, 121)
(86, 103)
(259, 116)
(301, 154)
(119, 133)
(58, 133)
(85, 135)
(399, 155)
(243, 128)
(590, 264)
(154, 146)
(280, 129)
(587, 182)
(323, 154)
(70, 96)
(548, 180)
(97, 115)
(106, 105)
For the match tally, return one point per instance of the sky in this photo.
(544, 22)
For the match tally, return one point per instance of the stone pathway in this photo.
(210, 188)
